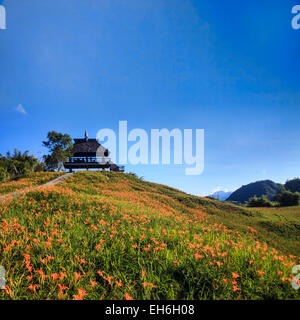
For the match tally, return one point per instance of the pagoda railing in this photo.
(101, 160)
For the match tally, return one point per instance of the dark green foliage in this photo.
(18, 164)
(293, 185)
(259, 188)
(3, 174)
(60, 147)
(288, 198)
(259, 202)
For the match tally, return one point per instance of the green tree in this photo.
(60, 147)
(288, 198)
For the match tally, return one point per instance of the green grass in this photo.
(114, 236)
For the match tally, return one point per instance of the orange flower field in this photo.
(105, 235)
(29, 182)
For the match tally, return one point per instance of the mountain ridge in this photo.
(258, 188)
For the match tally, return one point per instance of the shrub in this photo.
(259, 202)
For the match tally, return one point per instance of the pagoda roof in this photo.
(88, 147)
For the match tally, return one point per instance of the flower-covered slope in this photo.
(33, 180)
(114, 236)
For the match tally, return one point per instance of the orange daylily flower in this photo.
(128, 297)
(235, 275)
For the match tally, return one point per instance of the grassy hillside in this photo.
(278, 227)
(113, 236)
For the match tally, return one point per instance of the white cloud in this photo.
(21, 109)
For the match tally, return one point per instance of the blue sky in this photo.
(229, 67)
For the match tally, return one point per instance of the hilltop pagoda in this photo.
(90, 154)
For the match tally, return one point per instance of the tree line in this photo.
(19, 164)
(289, 195)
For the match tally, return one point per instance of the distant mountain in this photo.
(293, 185)
(221, 195)
(258, 188)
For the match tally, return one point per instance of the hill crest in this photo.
(258, 188)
